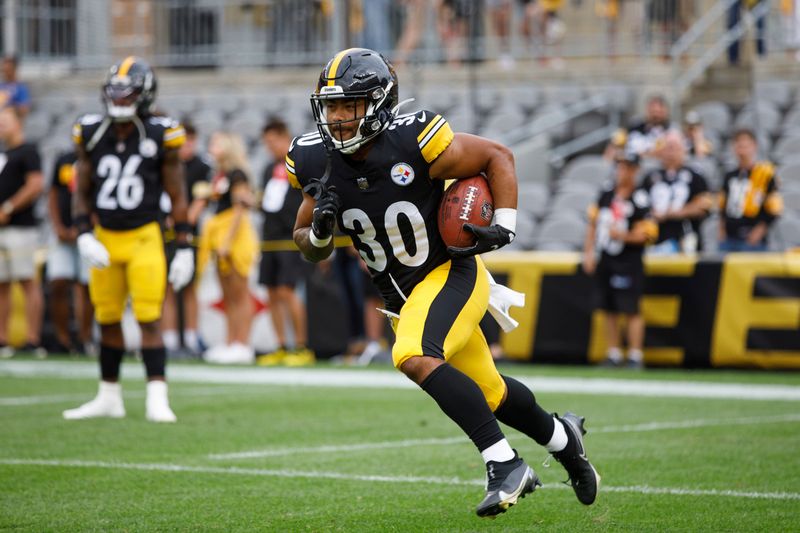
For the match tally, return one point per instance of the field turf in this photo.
(270, 457)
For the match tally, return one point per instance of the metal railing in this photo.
(263, 33)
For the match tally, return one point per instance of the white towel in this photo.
(501, 298)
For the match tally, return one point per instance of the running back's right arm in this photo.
(82, 199)
(302, 232)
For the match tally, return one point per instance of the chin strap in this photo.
(98, 133)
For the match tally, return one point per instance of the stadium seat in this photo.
(785, 233)
(564, 94)
(504, 120)
(619, 97)
(563, 233)
(791, 200)
(37, 125)
(574, 201)
(587, 123)
(532, 198)
(707, 166)
(525, 238)
(709, 234)
(438, 100)
(526, 97)
(716, 115)
(786, 147)
(776, 92)
(177, 105)
(759, 116)
(591, 169)
(248, 126)
(789, 172)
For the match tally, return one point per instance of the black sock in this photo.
(110, 361)
(521, 412)
(462, 400)
(155, 361)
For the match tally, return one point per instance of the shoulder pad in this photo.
(83, 123)
(304, 151)
(434, 134)
(173, 133)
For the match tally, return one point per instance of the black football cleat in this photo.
(584, 478)
(506, 483)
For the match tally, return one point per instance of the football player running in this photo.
(380, 177)
(126, 158)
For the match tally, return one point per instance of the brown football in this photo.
(466, 201)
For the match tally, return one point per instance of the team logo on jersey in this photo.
(148, 148)
(362, 182)
(402, 174)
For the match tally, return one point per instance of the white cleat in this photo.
(107, 404)
(157, 407)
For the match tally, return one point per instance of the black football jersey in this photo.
(671, 191)
(749, 196)
(389, 202)
(612, 211)
(126, 174)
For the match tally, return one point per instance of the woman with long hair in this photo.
(229, 239)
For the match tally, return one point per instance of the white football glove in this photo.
(181, 268)
(92, 251)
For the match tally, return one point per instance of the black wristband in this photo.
(83, 223)
(183, 227)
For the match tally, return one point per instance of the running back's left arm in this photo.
(172, 179)
(469, 155)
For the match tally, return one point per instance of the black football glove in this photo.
(488, 238)
(325, 211)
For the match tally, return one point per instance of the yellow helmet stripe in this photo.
(332, 72)
(126, 65)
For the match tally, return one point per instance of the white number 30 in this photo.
(122, 186)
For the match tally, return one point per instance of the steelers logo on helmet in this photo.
(129, 90)
(402, 174)
(364, 80)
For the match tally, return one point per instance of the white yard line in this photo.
(329, 377)
(15, 401)
(259, 472)
(408, 443)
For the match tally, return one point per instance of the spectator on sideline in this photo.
(14, 93)
(734, 16)
(228, 237)
(642, 135)
(679, 198)
(197, 175)
(282, 269)
(21, 184)
(619, 228)
(697, 145)
(67, 272)
(749, 201)
(414, 25)
(377, 31)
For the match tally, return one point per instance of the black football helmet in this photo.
(129, 90)
(353, 74)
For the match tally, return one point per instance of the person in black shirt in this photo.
(21, 184)
(619, 227)
(229, 238)
(282, 269)
(197, 172)
(749, 200)
(679, 198)
(642, 135)
(66, 271)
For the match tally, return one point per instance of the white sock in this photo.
(499, 452)
(171, 340)
(635, 355)
(191, 339)
(559, 439)
(108, 389)
(614, 354)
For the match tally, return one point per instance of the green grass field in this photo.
(357, 458)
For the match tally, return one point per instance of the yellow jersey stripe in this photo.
(126, 65)
(172, 133)
(332, 72)
(428, 128)
(438, 142)
(289, 161)
(77, 133)
(293, 179)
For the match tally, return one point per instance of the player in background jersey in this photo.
(619, 228)
(126, 158)
(380, 176)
